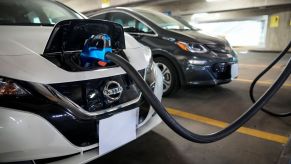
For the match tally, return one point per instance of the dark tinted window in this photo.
(101, 16)
(129, 23)
(34, 12)
(162, 20)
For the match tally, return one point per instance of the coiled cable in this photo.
(251, 91)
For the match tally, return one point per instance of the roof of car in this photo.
(98, 11)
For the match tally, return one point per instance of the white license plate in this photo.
(117, 130)
(234, 71)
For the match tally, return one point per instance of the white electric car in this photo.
(54, 109)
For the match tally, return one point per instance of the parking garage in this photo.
(207, 53)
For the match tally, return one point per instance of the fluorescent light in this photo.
(198, 15)
(213, 0)
(105, 5)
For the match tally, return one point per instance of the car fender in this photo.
(173, 60)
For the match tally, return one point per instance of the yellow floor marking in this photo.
(248, 131)
(261, 82)
(261, 66)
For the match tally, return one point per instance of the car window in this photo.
(101, 16)
(129, 23)
(34, 12)
(162, 20)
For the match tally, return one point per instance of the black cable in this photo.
(180, 130)
(251, 91)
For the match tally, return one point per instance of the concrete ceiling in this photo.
(203, 6)
(87, 5)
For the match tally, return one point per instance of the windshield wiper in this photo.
(180, 29)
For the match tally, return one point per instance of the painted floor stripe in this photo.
(248, 131)
(261, 66)
(261, 82)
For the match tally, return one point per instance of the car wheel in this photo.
(170, 77)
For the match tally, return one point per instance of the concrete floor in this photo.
(224, 103)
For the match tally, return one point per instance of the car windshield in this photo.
(34, 12)
(162, 20)
(184, 22)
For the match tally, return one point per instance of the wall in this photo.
(278, 38)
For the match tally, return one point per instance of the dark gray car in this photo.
(185, 56)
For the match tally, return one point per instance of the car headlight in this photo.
(9, 88)
(150, 74)
(148, 54)
(149, 58)
(150, 67)
(192, 47)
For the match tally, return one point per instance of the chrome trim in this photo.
(114, 11)
(108, 92)
(145, 34)
(55, 96)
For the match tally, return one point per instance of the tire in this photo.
(170, 76)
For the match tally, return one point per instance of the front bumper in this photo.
(217, 70)
(28, 136)
(206, 75)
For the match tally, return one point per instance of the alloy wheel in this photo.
(167, 76)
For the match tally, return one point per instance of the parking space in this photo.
(262, 140)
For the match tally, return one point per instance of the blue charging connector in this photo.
(95, 49)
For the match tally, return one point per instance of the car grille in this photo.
(222, 71)
(90, 94)
(219, 48)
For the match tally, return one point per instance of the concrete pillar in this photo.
(278, 38)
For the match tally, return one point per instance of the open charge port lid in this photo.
(70, 35)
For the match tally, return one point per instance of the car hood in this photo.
(23, 40)
(199, 37)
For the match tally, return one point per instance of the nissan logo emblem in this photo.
(112, 91)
